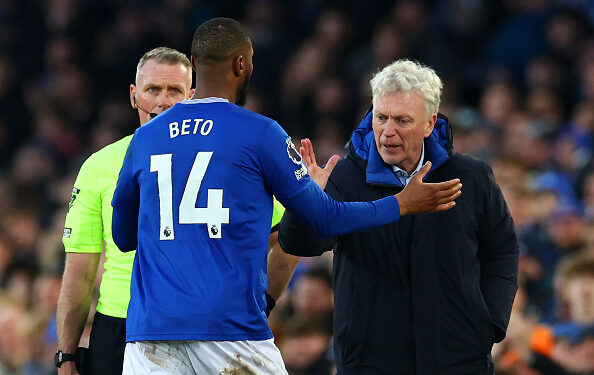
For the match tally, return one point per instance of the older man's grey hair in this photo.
(406, 76)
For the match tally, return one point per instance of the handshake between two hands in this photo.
(417, 197)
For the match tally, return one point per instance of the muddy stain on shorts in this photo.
(169, 362)
(151, 354)
(238, 367)
(258, 361)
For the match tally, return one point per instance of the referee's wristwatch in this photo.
(62, 357)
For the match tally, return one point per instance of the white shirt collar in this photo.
(402, 175)
(212, 99)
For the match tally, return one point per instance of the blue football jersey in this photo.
(201, 177)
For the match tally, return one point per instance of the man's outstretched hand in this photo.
(419, 197)
(319, 175)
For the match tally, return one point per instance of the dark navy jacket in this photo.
(431, 293)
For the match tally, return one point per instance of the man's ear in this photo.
(191, 93)
(193, 63)
(430, 125)
(132, 95)
(238, 65)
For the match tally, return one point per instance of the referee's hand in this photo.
(68, 368)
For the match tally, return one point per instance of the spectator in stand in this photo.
(306, 346)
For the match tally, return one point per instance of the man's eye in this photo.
(381, 117)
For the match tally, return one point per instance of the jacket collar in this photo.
(438, 148)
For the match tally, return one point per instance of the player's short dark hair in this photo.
(216, 39)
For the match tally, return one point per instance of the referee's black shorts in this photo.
(106, 345)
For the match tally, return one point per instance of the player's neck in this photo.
(205, 92)
(214, 82)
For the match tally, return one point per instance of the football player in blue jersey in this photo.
(194, 197)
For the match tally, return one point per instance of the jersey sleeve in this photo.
(498, 255)
(329, 217)
(285, 173)
(126, 203)
(83, 228)
(127, 194)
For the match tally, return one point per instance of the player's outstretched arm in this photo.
(419, 197)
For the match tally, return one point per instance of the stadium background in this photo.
(519, 89)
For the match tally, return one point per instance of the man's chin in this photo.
(390, 157)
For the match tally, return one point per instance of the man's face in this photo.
(580, 295)
(400, 125)
(242, 91)
(159, 86)
(312, 297)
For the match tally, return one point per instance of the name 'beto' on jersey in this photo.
(197, 124)
(204, 206)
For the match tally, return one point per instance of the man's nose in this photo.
(390, 129)
(165, 100)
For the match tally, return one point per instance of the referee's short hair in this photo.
(217, 39)
(164, 55)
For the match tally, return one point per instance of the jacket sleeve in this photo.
(498, 255)
(300, 239)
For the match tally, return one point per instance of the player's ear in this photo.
(238, 65)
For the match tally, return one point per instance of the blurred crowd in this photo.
(519, 91)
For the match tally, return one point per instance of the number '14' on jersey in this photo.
(214, 215)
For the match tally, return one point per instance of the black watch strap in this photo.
(62, 357)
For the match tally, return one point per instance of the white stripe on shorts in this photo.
(203, 358)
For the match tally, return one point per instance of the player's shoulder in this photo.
(253, 121)
(251, 115)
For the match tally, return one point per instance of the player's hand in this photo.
(319, 175)
(419, 197)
